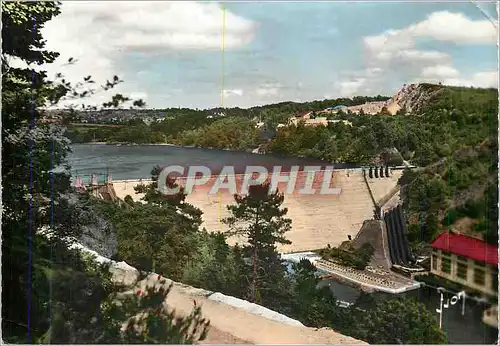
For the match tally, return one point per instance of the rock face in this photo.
(392, 157)
(412, 98)
(124, 274)
(97, 233)
(100, 237)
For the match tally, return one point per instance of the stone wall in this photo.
(232, 320)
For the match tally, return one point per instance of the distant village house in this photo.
(306, 117)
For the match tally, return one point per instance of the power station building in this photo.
(468, 261)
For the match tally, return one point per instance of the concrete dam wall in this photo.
(317, 220)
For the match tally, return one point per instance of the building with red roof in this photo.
(467, 261)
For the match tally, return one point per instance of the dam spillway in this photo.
(317, 220)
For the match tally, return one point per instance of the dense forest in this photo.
(458, 179)
(53, 293)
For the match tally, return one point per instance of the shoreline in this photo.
(248, 151)
(131, 144)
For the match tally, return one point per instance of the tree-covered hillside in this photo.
(457, 185)
(179, 125)
(450, 119)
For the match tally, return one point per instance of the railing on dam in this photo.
(308, 181)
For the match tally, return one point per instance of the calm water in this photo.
(129, 162)
(137, 161)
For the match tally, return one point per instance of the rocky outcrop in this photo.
(97, 234)
(412, 98)
(391, 157)
(367, 108)
(100, 237)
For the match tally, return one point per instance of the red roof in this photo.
(468, 247)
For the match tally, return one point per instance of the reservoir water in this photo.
(137, 161)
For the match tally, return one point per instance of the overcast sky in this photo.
(170, 53)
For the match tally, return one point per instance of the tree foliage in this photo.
(356, 258)
(51, 293)
(159, 238)
(258, 217)
(140, 317)
(313, 305)
(32, 264)
(395, 321)
(462, 186)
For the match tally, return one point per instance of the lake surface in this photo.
(137, 161)
(131, 162)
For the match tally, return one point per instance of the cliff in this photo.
(412, 98)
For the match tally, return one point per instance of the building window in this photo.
(479, 276)
(462, 270)
(480, 264)
(462, 259)
(446, 265)
(434, 262)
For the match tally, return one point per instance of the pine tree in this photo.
(259, 217)
(154, 196)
